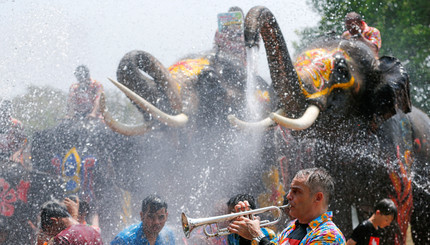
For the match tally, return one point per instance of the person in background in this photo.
(80, 210)
(84, 96)
(357, 29)
(57, 223)
(385, 212)
(234, 239)
(152, 229)
(309, 197)
(12, 137)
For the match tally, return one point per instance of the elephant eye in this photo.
(341, 67)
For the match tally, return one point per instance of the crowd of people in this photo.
(310, 222)
(69, 221)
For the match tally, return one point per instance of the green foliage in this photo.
(404, 27)
(39, 108)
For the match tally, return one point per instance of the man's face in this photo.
(153, 222)
(353, 26)
(300, 199)
(58, 224)
(383, 220)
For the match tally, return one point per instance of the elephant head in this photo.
(140, 71)
(330, 75)
(201, 88)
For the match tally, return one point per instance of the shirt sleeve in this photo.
(357, 233)
(117, 241)
(374, 36)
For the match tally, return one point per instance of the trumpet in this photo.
(188, 224)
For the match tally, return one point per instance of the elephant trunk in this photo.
(260, 20)
(144, 74)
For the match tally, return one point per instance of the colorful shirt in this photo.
(77, 235)
(321, 230)
(82, 97)
(370, 33)
(133, 235)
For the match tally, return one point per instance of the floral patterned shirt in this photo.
(370, 33)
(321, 230)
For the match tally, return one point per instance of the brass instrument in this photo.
(188, 224)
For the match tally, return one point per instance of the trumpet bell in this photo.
(186, 225)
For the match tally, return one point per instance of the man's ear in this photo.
(141, 216)
(319, 197)
(54, 220)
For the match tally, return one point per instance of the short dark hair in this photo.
(82, 71)
(318, 180)
(353, 16)
(51, 209)
(386, 206)
(240, 198)
(153, 203)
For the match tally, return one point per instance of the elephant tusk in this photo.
(308, 118)
(263, 124)
(118, 127)
(173, 121)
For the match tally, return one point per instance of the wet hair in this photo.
(51, 209)
(386, 207)
(153, 203)
(82, 73)
(240, 198)
(353, 16)
(318, 180)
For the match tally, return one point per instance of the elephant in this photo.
(343, 109)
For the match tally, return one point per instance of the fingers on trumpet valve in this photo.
(242, 206)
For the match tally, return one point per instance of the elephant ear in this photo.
(392, 92)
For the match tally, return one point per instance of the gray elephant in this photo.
(346, 111)
(185, 109)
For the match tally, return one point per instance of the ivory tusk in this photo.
(170, 120)
(304, 122)
(262, 124)
(128, 130)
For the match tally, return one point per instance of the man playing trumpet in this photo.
(309, 197)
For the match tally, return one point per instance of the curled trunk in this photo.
(260, 20)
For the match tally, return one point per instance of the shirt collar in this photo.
(321, 219)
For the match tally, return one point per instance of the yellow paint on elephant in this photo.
(75, 177)
(262, 96)
(316, 66)
(275, 190)
(189, 67)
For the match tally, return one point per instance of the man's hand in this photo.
(72, 207)
(243, 226)
(246, 228)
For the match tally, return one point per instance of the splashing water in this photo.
(252, 106)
